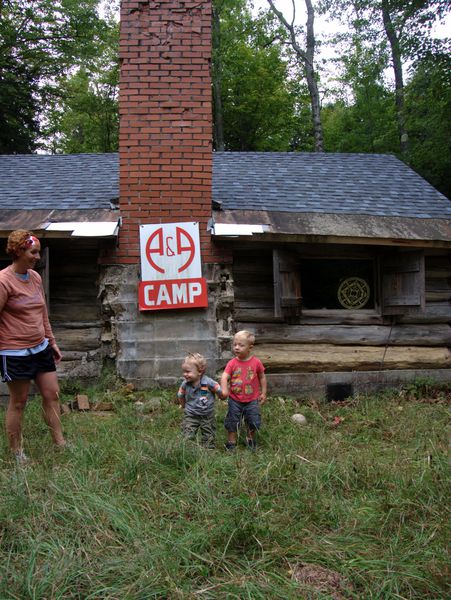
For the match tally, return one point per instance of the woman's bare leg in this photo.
(48, 387)
(18, 394)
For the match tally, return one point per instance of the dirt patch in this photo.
(315, 578)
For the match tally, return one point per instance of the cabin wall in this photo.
(360, 347)
(75, 309)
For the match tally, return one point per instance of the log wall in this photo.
(75, 312)
(331, 341)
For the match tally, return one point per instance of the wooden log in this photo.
(79, 324)
(64, 311)
(372, 335)
(311, 358)
(437, 296)
(437, 312)
(438, 263)
(254, 315)
(79, 370)
(434, 312)
(312, 317)
(78, 339)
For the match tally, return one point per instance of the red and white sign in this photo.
(171, 272)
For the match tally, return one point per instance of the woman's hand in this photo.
(57, 356)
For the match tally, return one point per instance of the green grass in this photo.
(133, 512)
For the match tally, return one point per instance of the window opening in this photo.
(346, 284)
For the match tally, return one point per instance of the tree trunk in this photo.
(306, 58)
(311, 79)
(399, 83)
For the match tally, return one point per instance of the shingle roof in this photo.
(59, 181)
(372, 184)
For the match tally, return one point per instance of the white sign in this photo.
(171, 269)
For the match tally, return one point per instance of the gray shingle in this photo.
(59, 181)
(372, 184)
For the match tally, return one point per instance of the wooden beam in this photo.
(348, 335)
(311, 358)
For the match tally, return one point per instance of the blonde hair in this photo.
(250, 337)
(17, 240)
(197, 360)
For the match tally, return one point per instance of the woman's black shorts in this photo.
(13, 368)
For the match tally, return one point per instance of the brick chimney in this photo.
(165, 161)
(165, 146)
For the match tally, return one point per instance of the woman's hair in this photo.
(197, 360)
(19, 240)
(248, 335)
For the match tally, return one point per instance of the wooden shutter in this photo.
(403, 282)
(287, 285)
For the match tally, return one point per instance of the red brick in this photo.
(166, 121)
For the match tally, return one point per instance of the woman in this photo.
(28, 349)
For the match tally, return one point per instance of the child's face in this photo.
(191, 373)
(241, 347)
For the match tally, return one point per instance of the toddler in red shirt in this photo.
(244, 382)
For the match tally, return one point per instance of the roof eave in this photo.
(329, 228)
(94, 223)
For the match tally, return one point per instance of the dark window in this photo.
(337, 284)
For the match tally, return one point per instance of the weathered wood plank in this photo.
(249, 314)
(314, 358)
(78, 339)
(437, 295)
(254, 295)
(79, 324)
(68, 311)
(435, 312)
(374, 335)
(255, 315)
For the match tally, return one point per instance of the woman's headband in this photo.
(31, 241)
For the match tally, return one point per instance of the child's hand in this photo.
(262, 398)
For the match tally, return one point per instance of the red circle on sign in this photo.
(184, 243)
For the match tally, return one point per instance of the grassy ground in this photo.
(351, 505)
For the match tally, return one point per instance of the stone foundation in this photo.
(149, 346)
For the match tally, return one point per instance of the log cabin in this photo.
(340, 263)
(340, 266)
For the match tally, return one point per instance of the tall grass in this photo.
(134, 512)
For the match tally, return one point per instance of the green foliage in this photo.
(428, 117)
(413, 22)
(134, 512)
(40, 41)
(85, 117)
(364, 119)
(258, 102)
(59, 81)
